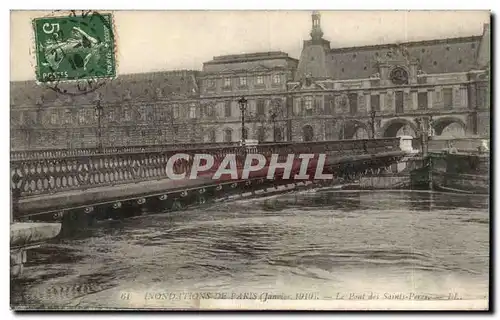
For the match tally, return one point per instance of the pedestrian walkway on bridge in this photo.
(49, 188)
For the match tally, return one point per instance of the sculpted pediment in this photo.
(398, 54)
(307, 83)
(259, 68)
(228, 71)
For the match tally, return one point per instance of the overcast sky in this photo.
(168, 40)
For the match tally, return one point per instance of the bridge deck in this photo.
(95, 195)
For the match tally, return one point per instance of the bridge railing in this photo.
(79, 172)
(56, 153)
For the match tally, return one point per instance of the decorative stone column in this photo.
(361, 103)
(463, 97)
(413, 72)
(382, 101)
(430, 101)
(368, 101)
(437, 102)
(414, 98)
(391, 101)
(407, 100)
(457, 97)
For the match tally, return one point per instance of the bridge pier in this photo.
(25, 236)
(77, 220)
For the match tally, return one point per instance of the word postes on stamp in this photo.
(74, 48)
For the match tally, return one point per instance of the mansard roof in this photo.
(434, 56)
(250, 62)
(139, 86)
(244, 57)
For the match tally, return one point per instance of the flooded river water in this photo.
(324, 243)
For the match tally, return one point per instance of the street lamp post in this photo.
(273, 119)
(98, 109)
(373, 113)
(243, 106)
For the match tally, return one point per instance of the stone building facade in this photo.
(260, 77)
(442, 86)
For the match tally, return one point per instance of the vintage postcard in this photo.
(250, 160)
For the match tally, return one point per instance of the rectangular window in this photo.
(126, 115)
(149, 113)
(228, 135)
(353, 103)
(329, 105)
(53, 118)
(142, 113)
(308, 103)
(176, 111)
(276, 79)
(308, 106)
(227, 109)
(243, 81)
(448, 98)
(261, 107)
(192, 111)
(261, 134)
(260, 80)
(209, 110)
(161, 113)
(422, 100)
(375, 102)
(210, 83)
(111, 115)
(67, 117)
(227, 82)
(212, 136)
(399, 102)
(90, 115)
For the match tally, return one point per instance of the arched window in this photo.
(228, 135)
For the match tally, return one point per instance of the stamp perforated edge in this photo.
(65, 14)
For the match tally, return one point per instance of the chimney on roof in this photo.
(316, 33)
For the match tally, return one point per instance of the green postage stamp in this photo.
(75, 47)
